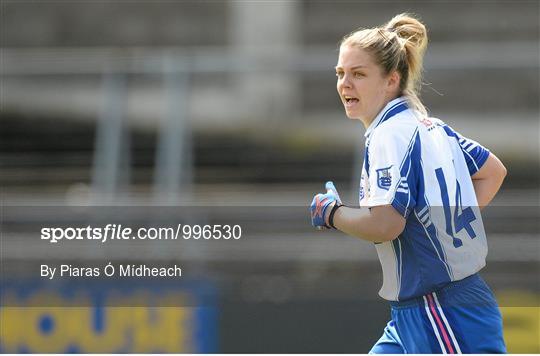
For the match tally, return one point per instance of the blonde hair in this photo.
(398, 45)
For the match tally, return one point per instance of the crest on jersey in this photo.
(384, 178)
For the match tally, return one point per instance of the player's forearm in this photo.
(488, 180)
(486, 189)
(367, 224)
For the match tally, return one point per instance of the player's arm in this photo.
(486, 170)
(488, 179)
(382, 221)
(377, 224)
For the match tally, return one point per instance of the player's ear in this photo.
(393, 81)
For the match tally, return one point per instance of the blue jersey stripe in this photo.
(430, 232)
(394, 110)
(403, 199)
(398, 257)
(366, 160)
(475, 155)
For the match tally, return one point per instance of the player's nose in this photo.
(344, 82)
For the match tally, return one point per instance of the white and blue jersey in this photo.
(423, 169)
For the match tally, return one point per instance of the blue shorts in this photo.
(462, 317)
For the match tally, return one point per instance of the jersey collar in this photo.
(394, 107)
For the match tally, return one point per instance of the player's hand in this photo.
(322, 205)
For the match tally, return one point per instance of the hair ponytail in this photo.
(413, 37)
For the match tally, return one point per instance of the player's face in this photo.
(361, 85)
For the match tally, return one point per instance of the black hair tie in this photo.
(331, 216)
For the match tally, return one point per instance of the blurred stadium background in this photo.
(142, 103)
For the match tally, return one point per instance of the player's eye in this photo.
(339, 74)
(359, 74)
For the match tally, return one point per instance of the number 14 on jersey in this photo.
(462, 217)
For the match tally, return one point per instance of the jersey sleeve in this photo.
(474, 153)
(393, 168)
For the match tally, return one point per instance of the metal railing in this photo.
(176, 67)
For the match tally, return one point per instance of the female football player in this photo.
(422, 187)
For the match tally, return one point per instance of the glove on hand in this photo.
(321, 203)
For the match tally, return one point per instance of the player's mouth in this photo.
(350, 101)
